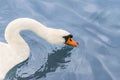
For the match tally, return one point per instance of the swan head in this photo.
(59, 36)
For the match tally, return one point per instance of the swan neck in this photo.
(12, 33)
(13, 37)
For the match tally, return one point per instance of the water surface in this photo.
(95, 24)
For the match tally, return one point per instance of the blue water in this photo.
(95, 24)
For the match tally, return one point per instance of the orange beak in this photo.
(71, 42)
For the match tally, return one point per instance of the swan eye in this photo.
(71, 36)
(67, 37)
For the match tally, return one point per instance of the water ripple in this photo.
(94, 24)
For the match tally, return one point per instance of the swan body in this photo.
(16, 49)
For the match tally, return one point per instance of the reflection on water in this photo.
(55, 59)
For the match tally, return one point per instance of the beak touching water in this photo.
(71, 42)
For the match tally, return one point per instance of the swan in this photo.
(16, 49)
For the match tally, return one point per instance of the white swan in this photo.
(16, 50)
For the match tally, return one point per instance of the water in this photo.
(93, 23)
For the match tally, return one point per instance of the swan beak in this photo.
(71, 42)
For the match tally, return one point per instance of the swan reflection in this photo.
(55, 60)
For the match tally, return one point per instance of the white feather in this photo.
(16, 50)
